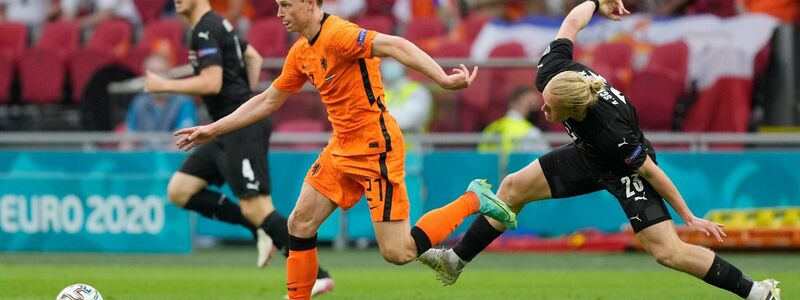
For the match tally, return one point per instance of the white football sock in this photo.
(757, 292)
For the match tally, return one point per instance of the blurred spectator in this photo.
(91, 12)
(238, 12)
(160, 112)
(408, 100)
(346, 9)
(31, 12)
(787, 11)
(516, 132)
(720, 8)
(406, 10)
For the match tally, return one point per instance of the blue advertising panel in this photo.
(74, 201)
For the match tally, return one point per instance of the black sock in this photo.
(274, 219)
(275, 226)
(728, 277)
(421, 240)
(217, 206)
(479, 235)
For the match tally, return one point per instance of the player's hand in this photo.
(460, 78)
(193, 136)
(153, 83)
(613, 9)
(706, 227)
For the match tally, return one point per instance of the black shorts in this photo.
(568, 175)
(238, 158)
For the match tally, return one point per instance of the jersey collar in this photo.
(314, 40)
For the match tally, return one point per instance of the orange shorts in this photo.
(344, 179)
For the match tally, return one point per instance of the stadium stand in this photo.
(41, 73)
(654, 95)
(13, 39)
(149, 10)
(82, 65)
(112, 36)
(268, 36)
(60, 36)
(6, 77)
(382, 24)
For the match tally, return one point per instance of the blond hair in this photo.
(575, 91)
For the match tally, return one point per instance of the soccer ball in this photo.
(79, 291)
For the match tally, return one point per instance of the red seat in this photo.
(112, 36)
(379, 7)
(13, 38)
(382, 24)
(472, 26)
(264, 9)
(268, 37)
(60, 36)
(6, 77)
(618, 55)
(424, 31)
(304, 105)
(446, 116)
(477, 99)
(41, 73)
(149, 10)
(725, 106)
(511, 49)
(504, 80)
(672, 58)
(135, 59)
(172, 30)
(452, 49)
(301, 125)
(82, 65)
(614, 61)
(654, 95)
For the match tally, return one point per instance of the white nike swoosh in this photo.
(539, 66)
(331, 77)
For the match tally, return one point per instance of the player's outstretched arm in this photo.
(248, 113)
(577, 19)
(410, 55)
(209, 82)
(664, 186)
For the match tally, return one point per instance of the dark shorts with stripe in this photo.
(568, 175)
(238, 158)
(344, 179)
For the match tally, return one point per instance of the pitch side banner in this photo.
(105, 202)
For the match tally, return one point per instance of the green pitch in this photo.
(229, 273)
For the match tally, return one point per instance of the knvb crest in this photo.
(324, 63)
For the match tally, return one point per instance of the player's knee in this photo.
(301, 224)
(178, 195)
(511, 191)
(664, 255)
(398, 256)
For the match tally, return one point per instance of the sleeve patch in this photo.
(634, 154)
(362, 37)
(207, 52)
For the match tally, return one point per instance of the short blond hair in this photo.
(575, 91)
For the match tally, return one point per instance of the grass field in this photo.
(229, 273)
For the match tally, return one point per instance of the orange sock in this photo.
(301, 267)
(439, 223)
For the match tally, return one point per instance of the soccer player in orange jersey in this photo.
(365, 154)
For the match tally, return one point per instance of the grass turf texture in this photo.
(229, 273)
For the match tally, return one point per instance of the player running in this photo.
(609, 152)
(365, 154)
(226, 68)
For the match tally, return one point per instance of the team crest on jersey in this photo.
(324, 63)
(315, 169)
